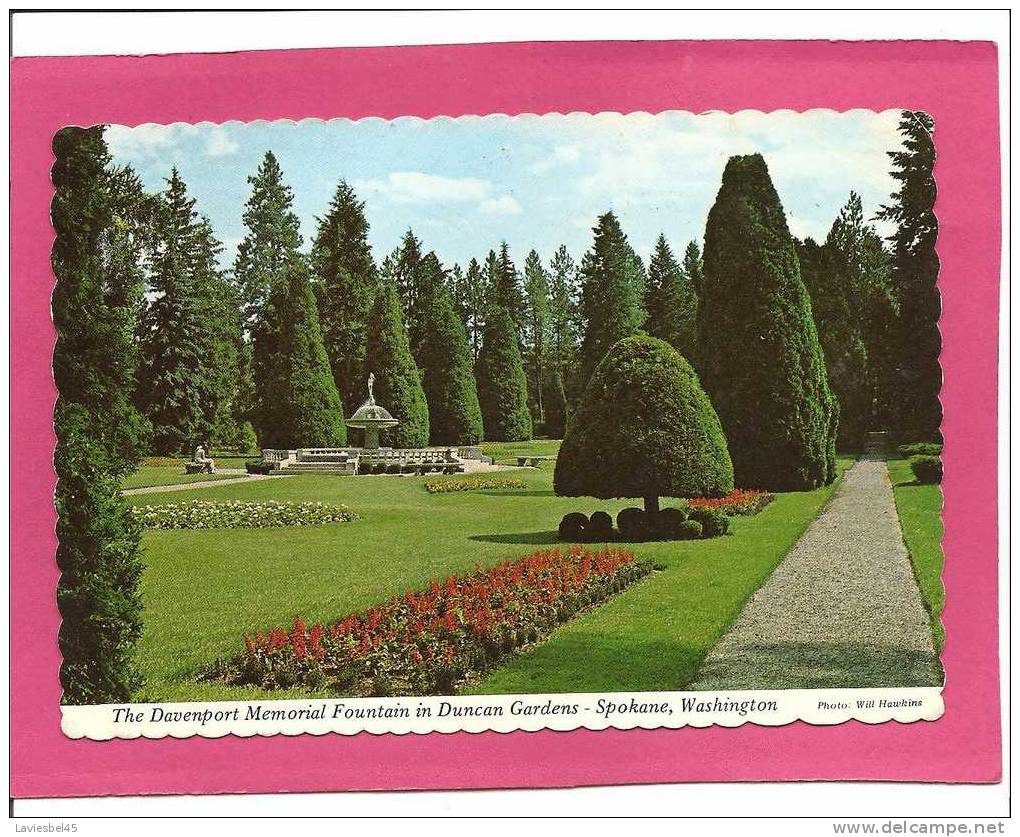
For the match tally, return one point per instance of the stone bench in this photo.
(206, 467)
(532, 461)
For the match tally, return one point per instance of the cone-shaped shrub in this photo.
(454, 415)
(758, 351)
(555, 402)
(300, 404)
(502, 385)
(644, 428)
(397, 381)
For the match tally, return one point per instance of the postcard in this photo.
(622, 419)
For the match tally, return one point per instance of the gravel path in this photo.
(842, 609)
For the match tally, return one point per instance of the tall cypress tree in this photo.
(300, 406)
(273, 236)
(100, 435)
(536, 288)
(564, 314)
(915, 270)
(502, 386)
(506, 289)
(470, 293)
(345, 286)
(397, 380)
(671, 301)
(758, 350)
(455, 417)
(172, 330)
(611, 288)
(694, 268)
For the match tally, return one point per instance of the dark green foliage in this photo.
(455, 417)
(611, 289)
(345, 288)
(502, 386)
(299, 403)
(631, 523)
(599, 528)
(572, 527)
(668, 523)
(536, 331)
(644, 428)
(173, 329)
(689, 530)
(505, 288)
(564, 317)
(758, 351)
(397, 380)
(694, 268)
(848, 281)
(470, 294)
(258, 466)
(713, 522)
(415, 277)
(927, 469)
(100, 435)
(273, 238)
(921, 449)
(915, 270)
(247, 440)
(554, 400)
(671, 301)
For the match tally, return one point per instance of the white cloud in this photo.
(219, 144)
(144, 140)
(419, 187)
(561, 154)
(504, 205)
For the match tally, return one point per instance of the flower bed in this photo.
(236, 514)
(428, 641)
(739, 501)
(474, 483)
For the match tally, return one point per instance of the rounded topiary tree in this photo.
(644, 428)
(502, 385)
(758, 351)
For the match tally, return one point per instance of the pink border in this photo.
(955, 82)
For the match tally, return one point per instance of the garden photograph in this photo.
(497, 405)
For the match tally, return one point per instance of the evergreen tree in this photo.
(173, 343)
(502, 386)
(345, 285)
(611, 288)
(273, 237)
(915, 269)
(671, 301)
(555, 401)
(536, 288)
(758, 349)
(455, 417)
(693, 268)
(564, 314)
(470, 293)
(506, 290)
(300, 406)
(397, 380)
(100, 434)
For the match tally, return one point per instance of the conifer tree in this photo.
(397, 380)
(273, 237)
(915, 270)
(506, 290)
(502, 386)
(758, 350)
(671, 301)
(694, 268)
(455, 417)
(564, 314)
(555, 401)
(100, 434)
(345, 285)
(300, 406)
(611, 288)
(536, 288)
(470, 294)
(173, 342)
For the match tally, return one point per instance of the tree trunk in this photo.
(651, 505)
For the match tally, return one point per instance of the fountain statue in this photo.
(371, 418)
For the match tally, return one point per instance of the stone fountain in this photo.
(371, 418)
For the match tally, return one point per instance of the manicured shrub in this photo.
(689, 530)
(600, 527)
(572, 527)
(713, 522)
(247, 440)
(428, 641)
(631, 523)
(758, 352)
(644, 428)
(236, 514)
(921, 449)
(258, 466)
(502, 384)
(927, 469)
(667, 523)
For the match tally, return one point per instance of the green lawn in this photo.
(507, 452)
(203, 590)
(920, 511)
(153, 475)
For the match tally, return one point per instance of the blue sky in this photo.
(465, 184)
